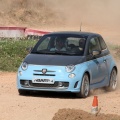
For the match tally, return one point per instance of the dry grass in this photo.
(27, 13)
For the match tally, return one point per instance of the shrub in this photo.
(12, 52)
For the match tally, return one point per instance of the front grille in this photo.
(44, 74)
(41, 85)
(48, 73)
(41, 71)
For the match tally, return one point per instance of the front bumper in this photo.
(62, 83)
(57, 86)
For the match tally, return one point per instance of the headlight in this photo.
(70, 68)
(24, 66)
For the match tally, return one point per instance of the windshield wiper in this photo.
(41, 52)
(55, 53)
(64, 53)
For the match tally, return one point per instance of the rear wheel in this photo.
(85, 87)
(23, 92)
(113, 81)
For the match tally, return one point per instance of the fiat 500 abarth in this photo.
(68, 62)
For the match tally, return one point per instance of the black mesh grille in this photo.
(76, 84)
(56, 84)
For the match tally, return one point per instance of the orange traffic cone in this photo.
(95, 105)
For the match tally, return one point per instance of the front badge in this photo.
(44, 71)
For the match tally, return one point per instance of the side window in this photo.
(102, 43)
(93, 45)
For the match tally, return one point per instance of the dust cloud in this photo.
(102, 13)
(93, 14)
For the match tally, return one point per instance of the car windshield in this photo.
(61, 45)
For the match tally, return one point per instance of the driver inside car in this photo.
(59, 45)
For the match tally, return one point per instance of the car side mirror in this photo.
(29, 49)
(95, 52)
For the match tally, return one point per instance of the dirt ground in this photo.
(56, 106)
(76, 114)
(101, 17)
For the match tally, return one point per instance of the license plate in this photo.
(45, 81)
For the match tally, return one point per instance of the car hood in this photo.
(61, 60)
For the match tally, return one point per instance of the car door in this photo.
(106, 56)
(96, 63)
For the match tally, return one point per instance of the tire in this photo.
(85, 87)
(113, 81)
(23, 92)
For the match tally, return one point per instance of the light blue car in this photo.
(68, 62)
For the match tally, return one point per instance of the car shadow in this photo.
(59, 95)
(63, 95)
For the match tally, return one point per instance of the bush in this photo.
(12, 52)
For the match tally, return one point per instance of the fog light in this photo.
(26, 83)
(60, 84)
(20, 73)
(72, 75)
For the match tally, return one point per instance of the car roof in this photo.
(74, 33)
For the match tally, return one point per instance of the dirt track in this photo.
(100, 16)
(43, 106)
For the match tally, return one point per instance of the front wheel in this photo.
(85, 87)
(113, 81)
